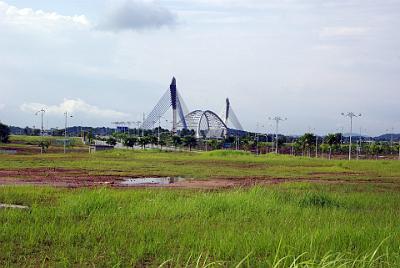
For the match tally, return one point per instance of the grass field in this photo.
(30, 144)
(208, 165)
(105, 227)
(352, 221)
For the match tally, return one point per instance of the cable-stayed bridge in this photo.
(205, 123)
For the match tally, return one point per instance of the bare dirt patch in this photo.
(79, 178)
(53, 177)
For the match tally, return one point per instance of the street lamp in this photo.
(316, 140)
(391, 138)
(159, 127)
(277, 119)
(350, 115)
(257, 137)
(65, 131)
(137, 130)
(41, 112)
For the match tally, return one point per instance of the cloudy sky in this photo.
(104, 61)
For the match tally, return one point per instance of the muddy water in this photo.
(149, 181)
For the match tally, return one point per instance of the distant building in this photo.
(122, 129)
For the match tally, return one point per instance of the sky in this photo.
(105, 61)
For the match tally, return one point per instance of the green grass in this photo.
(106, 227)
(35, 140)
(207, 165)
(353, 223)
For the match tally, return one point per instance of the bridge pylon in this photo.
(170, 99)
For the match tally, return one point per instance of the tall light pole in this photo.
(137, 131)
(65, 131)
(359, 144)
(277, 119)
(41, 112)
(144, 119)
(391, 139)
(257, 138)
(351, 115)
(316, 141)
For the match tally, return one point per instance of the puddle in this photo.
(149, 181)
(8, 151)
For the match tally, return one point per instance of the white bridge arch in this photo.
(206, 124)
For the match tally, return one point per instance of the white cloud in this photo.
(137, 15)
(343, 31)
(73, 106)
(2, 106)
(26, 16)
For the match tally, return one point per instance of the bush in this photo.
(111, 141)
(4, 133)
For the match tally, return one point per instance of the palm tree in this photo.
(331, 139)
(306, 141)
(375, 149)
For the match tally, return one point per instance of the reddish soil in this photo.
(80, 178)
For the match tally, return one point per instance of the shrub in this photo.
(4, 133)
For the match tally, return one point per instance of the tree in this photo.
(153, 139)
(325, 148)
(27, 131)
(36, 132)
(4, 133)
(246, 143)
(306, 142)
(44, 145)
(130, 141)
(176, 141)
(331, 140)
(163, 140)
(111, 141)
(187, 132)
(143, 141)
(189, 141)
(374, 149)
(281, 140)
(214, 144)
(90, 137)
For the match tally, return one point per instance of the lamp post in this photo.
(41, 112)
(137, 130)
(65, 131)
(391, 139)
(277, 119)
(316, 141)
(144, 120)
(350, 115)
(258, 137)
(159, 127)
